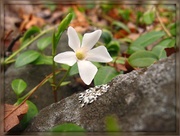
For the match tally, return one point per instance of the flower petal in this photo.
(99, 54)
(87, 71)
(68, 58)
(90, 39)
(73, 41)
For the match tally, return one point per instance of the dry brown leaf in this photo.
(113, 13)
(120, 34)
(12, 114)
(80, 23)
(118, 66)
(31, 20)
(133, 36)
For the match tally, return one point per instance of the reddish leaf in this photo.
(170, 51)
(128, 66)
(12, 115)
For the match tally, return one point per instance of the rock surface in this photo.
(142, 100)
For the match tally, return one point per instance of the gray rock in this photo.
(142, 100)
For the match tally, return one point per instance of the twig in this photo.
(11, 45)
(163, 26)
(8, 34)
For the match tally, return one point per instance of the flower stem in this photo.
(54, 81)
(54, 67)
(63, 78)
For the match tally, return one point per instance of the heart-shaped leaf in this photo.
(18, 86)
(26, 58)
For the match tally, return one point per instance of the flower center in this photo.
(80, 55)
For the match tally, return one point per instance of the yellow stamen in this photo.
(80, 55)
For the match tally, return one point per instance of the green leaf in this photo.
(97, 64)
(18, 86)
(145, 40)
(73, 70)
(62, 27)
(65, 83)
(167, 43)
(32, 112)
(106, 36)
(159, 51)
(64, 66)
(104, 75)
(139, 15)
(111, 123)
(125, 13)
(148, 17)
(136, 48)
(120, 60)
(30, 32)
(142, 59)
(67, 127)
(113, 47)
(173, 29)
(148, 38)
(43, 60)
(26, 58)
(44, 42)
(121, 25)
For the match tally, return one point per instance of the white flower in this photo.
(83, 53)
